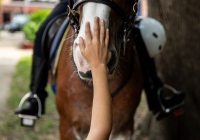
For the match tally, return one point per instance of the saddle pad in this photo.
(57, 56)
(57, 40)
(50, 32)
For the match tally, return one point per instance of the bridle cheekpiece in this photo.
(128, 20)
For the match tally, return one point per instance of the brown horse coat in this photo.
(74, 98)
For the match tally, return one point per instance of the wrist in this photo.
(100, 67)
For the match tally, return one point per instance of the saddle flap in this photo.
(50, 32)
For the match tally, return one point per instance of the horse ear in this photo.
(71, 3)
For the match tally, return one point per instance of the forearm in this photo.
(96, 54)
(102, 109)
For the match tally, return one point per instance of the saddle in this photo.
(52, 37)
(52, 42)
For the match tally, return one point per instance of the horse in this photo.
(74, 91)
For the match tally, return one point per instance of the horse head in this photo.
(114, 13)
(73, 98)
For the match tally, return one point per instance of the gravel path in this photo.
(10, 52)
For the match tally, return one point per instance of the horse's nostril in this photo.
(87, 74)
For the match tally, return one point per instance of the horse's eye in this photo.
(76, 15)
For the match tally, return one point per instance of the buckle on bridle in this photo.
(73, 16)
(128, 25)
(128, 20)
(135, 8)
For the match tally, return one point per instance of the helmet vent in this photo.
(155, 35)
(160, 47)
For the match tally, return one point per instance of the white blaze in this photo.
(90, 11)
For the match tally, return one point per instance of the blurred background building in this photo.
(11, 8)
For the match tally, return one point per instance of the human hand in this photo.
(95, 48)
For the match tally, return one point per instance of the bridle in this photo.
(127, 25)
(72, 7)
(128, 20)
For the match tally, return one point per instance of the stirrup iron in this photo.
(29, 120)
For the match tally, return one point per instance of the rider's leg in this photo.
(39, 76)
(39, 71)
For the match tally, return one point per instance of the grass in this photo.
(46, 128)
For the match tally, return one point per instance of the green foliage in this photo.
(35, 20)
(46, 127)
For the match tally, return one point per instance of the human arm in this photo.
(95, 51)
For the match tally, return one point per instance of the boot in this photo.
(31, 107)
(39, 76)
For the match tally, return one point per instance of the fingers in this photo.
(96, 29)
(102, 31)
(107, 38)
(81, 44)
(88, 35)
(100, 34)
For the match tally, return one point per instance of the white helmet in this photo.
(153, 35)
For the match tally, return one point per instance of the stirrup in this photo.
(170, 104)
(29, 120)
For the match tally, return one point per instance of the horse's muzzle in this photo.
(111, 66)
